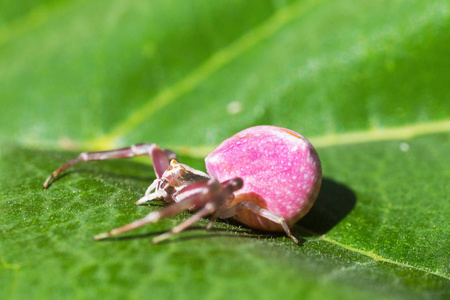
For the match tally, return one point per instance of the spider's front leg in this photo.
(160, 158)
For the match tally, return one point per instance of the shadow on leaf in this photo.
(334, 203)
(211, 233)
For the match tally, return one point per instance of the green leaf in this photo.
(366, 82)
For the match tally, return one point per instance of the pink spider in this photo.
(266, 177)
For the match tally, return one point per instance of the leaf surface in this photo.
(367, 82)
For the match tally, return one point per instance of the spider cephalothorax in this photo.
(172, 181)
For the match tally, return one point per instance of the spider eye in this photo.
(173, 164)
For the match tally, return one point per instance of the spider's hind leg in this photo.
(257, 210)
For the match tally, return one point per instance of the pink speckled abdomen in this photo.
(280, 169)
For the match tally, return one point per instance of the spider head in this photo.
(179, 175)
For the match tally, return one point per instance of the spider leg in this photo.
(215, 205)
(152, 217)
(208, 209)
(195, 195)
(256, 209)
(214, 217)
(160, 158)
(156, 195)
(231, 185)
(152, 186)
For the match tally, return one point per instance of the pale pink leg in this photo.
(203, 193)
(208, 209)
(160, 158)
(256, 209)
(152, 217)
(214, 217)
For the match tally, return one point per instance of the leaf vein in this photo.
(377, 257)
(350, 138)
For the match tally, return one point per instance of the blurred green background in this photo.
(367, 82)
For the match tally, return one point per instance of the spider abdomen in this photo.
(280, 169)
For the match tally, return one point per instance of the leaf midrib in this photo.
(377, 257)
(349, 138)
